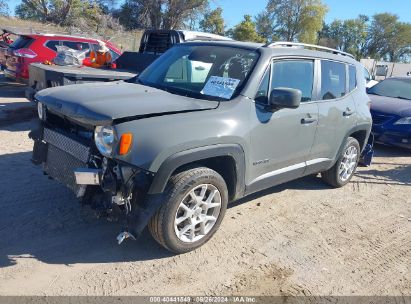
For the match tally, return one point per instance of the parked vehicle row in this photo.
(204, 125)
(34, 47)
(391, 111)
(129, 64)
(244, 117)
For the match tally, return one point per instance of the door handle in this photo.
(308, 120)
(348, 112)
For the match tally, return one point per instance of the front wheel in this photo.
(343, 170)
(194, 206)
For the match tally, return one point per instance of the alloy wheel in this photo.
(348, 163)
(197, 213)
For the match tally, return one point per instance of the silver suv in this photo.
(204, 125)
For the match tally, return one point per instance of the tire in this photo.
(184, 189)
(334, 176)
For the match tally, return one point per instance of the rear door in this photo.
(337, 113)
(281, 141)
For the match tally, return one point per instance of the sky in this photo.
(234, 10)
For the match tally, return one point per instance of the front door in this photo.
(281, 141)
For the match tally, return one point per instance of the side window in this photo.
(51, 44)
(262, 93)
(190, 71)
(295, 74)
(332, 79)
(76, 45)
(352, 77)
(178, 71)
(114, 55)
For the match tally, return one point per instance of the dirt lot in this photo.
(302, 238)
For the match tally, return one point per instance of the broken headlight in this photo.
(104, 138)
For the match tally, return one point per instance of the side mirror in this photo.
(281, 98)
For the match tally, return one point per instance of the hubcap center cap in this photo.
(197, 212)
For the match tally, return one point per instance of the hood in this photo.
(391, 105)
(103, 103)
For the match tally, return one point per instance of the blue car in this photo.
(391, 111)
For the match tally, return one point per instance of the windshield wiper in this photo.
(401, 97)
(139, 81)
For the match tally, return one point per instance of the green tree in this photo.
(4, 8)
(349, 35)
(264, 22)
(389, 38)
(246, 31)
(213, 22)
(159, 14)
(292, 20)
(63, 12)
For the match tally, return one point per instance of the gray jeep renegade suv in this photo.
(204, 125)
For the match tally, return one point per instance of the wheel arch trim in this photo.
(185, 157)
(361, 127)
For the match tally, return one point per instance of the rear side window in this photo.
(332, 79)
(22, 42)
(75, 45)
(52, 44)
(352, 77)
(295, 74)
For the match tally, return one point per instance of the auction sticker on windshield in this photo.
(223, 87)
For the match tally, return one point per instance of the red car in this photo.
(31, 48)
(5, 41)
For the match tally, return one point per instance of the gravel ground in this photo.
(302, 238)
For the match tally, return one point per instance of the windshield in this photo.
(398, 88)
(206, 72)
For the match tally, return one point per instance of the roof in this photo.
(193, 35)
(232, 43)
(285, 50)
(406, 78)
(307, 46)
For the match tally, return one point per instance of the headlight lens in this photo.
(104, 138)
(41, 111)
(403, 121)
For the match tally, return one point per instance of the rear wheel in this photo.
(343, 170)
(195, 204)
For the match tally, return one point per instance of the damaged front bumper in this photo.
(103, 183)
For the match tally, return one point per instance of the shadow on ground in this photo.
(41, 219)
(16, 113)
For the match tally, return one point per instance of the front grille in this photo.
(64, 155)
(65, 143)
(83, 134)
(60, 165)
(379, 119)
